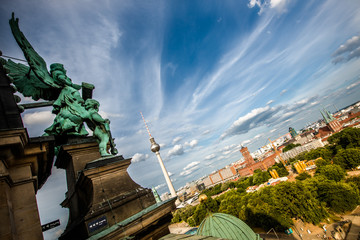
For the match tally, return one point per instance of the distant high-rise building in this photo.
(247, 156)
(292, 132)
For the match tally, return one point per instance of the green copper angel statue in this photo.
(70, 108)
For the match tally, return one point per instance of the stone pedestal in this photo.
(100, 193)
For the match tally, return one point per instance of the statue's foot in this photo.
(114, 151)
(105, 155)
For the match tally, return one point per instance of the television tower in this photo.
(155, 148)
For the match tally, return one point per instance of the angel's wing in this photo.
(35, 61)
(28, 83)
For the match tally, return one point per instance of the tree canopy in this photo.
(347, 138)
(323, 152)
(332, 172)
(303, 176)
(348, 158)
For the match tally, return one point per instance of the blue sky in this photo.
(207, 75)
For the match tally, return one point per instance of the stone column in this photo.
(25, 165)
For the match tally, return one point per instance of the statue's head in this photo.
(91, 103)
(57, 66)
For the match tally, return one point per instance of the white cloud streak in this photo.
(44, 118)
(176, 150)
(139, 157)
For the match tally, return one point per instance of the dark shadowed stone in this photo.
(9, 112)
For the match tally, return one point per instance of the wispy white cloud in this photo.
(192, 143)
(186, 172)
(279, 5)
(347, 51)
(314, 103)
(139, 157)
(250, 120)
(190, 168)
(206, 132)
(283, 92)
(269, 102)
(353, 85)
(160, 186)
(110, 115)
(176, 150)
(267, 116)
(211, 156)
(43, 118)
(176, 140)
(227, 66)
(191, 165)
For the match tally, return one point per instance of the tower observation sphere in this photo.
(154, 146)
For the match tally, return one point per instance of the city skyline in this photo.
(208, 76)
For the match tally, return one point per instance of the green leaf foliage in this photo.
(347, 138)
(213, 190)
(339, 197)
(302, 176)
(332, 172)
(183, 214)
(296, 201)
(203, 208)
(322, 162)
(323, 152)
(354, 182)
(191, 221)
(274, 206)
(231, 203)
(348, 158)
(261, 177)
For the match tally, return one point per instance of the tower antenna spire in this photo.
(147, 128)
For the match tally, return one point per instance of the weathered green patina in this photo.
(70, 108)
(226, 226)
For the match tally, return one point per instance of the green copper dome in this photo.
(226, 226)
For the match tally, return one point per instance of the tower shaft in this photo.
(166, 175)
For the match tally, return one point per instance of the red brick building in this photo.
(250, 165)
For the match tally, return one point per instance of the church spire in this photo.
(330, 116)
(325, 117)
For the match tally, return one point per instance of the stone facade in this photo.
(25, 164)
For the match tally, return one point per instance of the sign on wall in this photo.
(97, 224)
(50, 225)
